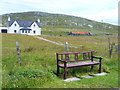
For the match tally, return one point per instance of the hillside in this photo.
(52, 22)
(38, 69)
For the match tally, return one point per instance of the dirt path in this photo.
(54, 42)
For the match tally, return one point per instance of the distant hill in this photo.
(59, 20)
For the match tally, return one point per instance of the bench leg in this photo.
(91, 67)
(58, 71)
(100, 67)
(65, 72)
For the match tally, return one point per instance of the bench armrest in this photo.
(100, 58)
(97, 57)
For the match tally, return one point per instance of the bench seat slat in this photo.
(70, 65)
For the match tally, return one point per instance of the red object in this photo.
(80, 32)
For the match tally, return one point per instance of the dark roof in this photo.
(23, 23)
(25, 28)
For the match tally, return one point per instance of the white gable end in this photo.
(14, 28)
(35, 30)
(15, 25)
(34, 25)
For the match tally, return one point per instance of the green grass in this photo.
(97, 43)
(63, 31)
(39, 62)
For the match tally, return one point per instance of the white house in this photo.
(23, 27)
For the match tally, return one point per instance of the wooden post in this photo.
(18, 52)
(109, 46)
(117, 49)
(66, 46)
(67, 58)
(109, 43)
(111, 49)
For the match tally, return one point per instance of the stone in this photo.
(100, 74)
(72, 79)
(87, 76)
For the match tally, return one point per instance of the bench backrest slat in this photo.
(73, 56)
(89, 55)
(84, 56)
(76, 56)
(62, 56)
(67, 57)
(73, 53)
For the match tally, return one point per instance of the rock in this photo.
(87, 76)
(71, 79)
(100, 74)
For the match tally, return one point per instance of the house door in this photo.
(4, 31)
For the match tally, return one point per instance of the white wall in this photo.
(3, 28)
(18, 31)
(36, 29)
(13, 27)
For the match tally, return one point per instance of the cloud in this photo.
(110, 16)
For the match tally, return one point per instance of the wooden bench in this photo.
(76, 59)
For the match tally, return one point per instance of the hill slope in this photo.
(49, 20)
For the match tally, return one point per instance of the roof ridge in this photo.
(23, 23)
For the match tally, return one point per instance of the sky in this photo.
(98, 10)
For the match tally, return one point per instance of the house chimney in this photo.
(8, 18)
(38, 20)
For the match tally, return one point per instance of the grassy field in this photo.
(53, 30)
(39, 62)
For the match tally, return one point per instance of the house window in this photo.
(14, 31)
(34, 32)
(26, 31)
(22, 31)
(15, 24)
(34, 25)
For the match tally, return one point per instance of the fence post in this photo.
(66, 46)
(109, 43)
(111, 50)
(18, 52)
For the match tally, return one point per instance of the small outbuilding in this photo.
(3, 29)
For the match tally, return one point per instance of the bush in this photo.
(26, 77)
